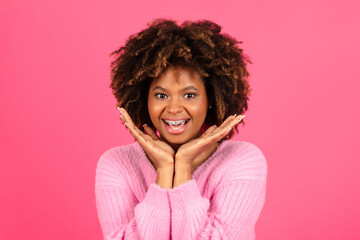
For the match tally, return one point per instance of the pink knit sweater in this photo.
(222, 201)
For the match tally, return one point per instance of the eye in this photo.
(190, 95)
(160, 95)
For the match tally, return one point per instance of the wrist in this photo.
(164, 177)
(183, 173)
(165, 169)
(183, 167)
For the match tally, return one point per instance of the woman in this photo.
(181, 92)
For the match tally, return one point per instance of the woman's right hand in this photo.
(160, 153)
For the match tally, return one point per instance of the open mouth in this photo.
(177, 123)
(176, 127)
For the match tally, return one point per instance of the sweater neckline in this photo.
(197, 170)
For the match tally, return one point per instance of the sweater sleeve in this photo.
(120, 214)
(232, 210)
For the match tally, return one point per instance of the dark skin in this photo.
(189, 156)
(178, 94)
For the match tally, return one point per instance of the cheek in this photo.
(154, 111)
(198, 111)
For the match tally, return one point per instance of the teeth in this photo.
(174, 122)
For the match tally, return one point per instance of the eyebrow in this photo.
(184, 89)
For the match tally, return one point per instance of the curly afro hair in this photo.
(198, 45)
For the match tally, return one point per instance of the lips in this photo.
(176, 126)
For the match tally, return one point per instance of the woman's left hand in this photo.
(187, 154)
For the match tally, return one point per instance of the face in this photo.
(178, 105)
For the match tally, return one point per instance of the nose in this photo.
(174, 106)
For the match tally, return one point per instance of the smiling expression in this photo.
(177, 105)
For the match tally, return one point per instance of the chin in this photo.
(176, 140)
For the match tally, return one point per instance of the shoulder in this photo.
(243, 149)
(244, 159)
(116, 160)
(119, 154)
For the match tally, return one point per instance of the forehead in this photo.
(178, 76)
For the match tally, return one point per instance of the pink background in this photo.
(58, 115)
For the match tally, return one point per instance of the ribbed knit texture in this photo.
(222, 201)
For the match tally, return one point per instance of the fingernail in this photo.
(240, 119)
(121, 114)
(125, 124)
(144, 125)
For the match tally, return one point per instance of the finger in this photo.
(150, 132)
(126, 117)
(144, 140)
(122, 121)
(218, 136)
(222, 132)
(211, 135)
(233, 123)
(209, 130)
(122, 113)
(121, 118)
(228, 120)
(237, 120)
(135, 131)
(225, 123)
